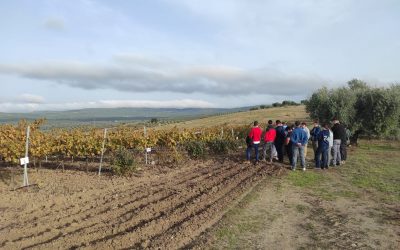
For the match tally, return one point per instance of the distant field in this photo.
(288, 113)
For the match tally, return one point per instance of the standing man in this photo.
(330, 161)
(289, 144)
(279, 139)
(314, 137)
(339, 133)
(255, 139)
(305, 128)
(299, 140)
(343, 145)
(269, 139)
(322, 150)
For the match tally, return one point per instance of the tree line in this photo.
(365, 110)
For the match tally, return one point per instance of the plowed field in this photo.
(161, 209)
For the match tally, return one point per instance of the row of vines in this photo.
(87, 142)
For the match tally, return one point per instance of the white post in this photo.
(102, 149)
(26, 182)
(222, 133)
(233, 134)
(145, 144)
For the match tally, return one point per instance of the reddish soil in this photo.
(165, 209)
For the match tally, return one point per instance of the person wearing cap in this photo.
(254, 143)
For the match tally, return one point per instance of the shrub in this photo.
(195, 149)
(123, 162)
(220, 146)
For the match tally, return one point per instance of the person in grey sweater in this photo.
(330, 162)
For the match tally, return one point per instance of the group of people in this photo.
(329, 143)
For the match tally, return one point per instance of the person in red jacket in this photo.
(269, 139)
(253, 139)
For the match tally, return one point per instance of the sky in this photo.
(62, 55)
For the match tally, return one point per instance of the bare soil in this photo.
(163, 208)
(355, 206)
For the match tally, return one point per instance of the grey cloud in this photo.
(168, 77)
(179, 103)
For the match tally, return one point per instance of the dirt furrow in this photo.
(184, 210)
(141, 217)
(149, 188)
(90, 217)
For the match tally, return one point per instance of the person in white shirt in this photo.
(330, 139)
(304, 126)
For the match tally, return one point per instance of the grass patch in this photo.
(372, 167)
(375, 167)
(306, 179)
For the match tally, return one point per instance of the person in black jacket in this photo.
(279, 139)
(343, 145)
(339, 134)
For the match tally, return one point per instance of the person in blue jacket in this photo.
(323, 148)
(314, 137)
(299, 139)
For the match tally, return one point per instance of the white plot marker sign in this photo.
(24, 160)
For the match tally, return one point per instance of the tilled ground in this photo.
(164, 210)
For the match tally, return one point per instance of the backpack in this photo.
(249, 141)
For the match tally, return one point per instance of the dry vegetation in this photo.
(289, 114)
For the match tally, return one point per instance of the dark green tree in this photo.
(365, 110)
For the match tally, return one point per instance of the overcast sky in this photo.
(57, 55)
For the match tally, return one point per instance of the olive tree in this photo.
(366, 110)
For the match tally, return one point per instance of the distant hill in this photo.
(115, 115)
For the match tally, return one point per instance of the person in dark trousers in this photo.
(323, 148)
(314, 137)
(253, 141)
(305, 128)
(299, 139)
(279, 139)
(289, 144)
(343, 145)
(339, 133)
(269, 139)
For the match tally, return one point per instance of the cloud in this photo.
(29, 98)
(24, 99)
(29, 107)
(145, 75)
(55, 24)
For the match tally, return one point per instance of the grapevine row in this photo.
(87, 142)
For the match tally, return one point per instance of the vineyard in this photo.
(164, 207)
(87, 143)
